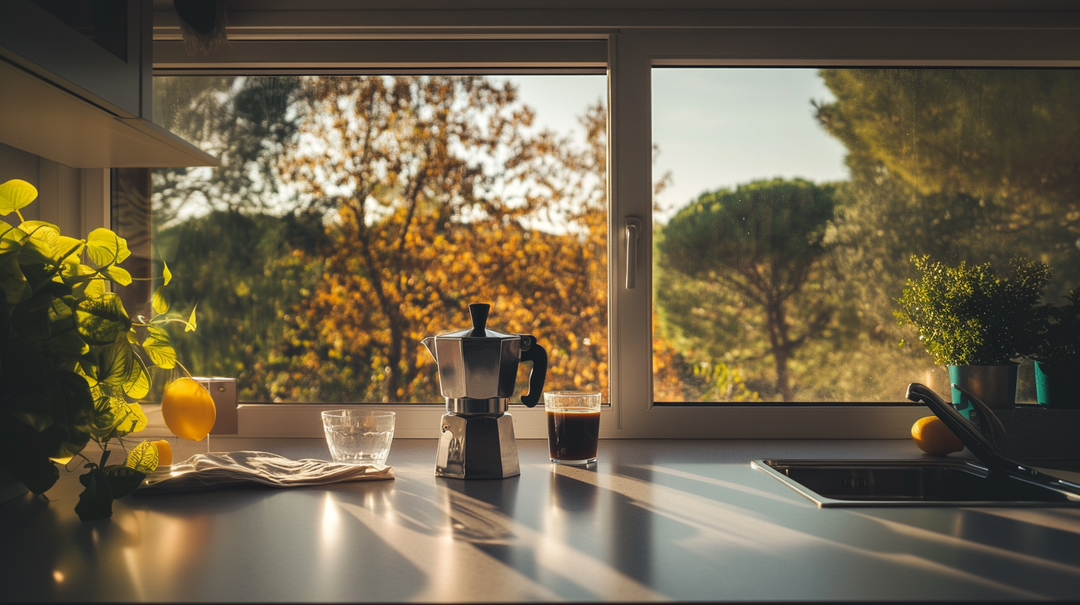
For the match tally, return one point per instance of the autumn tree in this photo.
(740, 271)
(434, 198)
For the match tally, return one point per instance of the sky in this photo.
(718, 128)
(560, 100)
(715, 127)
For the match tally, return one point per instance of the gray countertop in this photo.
(653, 520)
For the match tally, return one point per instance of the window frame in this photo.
(833, 40)
(630, 163)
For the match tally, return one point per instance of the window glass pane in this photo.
(354, 215)
(792, 201)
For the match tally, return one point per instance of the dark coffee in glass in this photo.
(573, 421)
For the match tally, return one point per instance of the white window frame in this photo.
(634, 46)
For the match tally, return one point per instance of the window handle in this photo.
(633, 226)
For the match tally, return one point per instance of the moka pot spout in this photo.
(429, 342)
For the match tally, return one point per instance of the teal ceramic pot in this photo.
(1057, 383)
(993, 385)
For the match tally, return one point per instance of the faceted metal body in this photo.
(477, 368)
(477, 447)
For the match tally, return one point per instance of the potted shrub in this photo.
(1056, 353)
(72, 362)
(976, 322)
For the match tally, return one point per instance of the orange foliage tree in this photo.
(436, 195)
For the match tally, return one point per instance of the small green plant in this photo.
(723, 383)
(971, 315)
(72, 362)
(1058, 336)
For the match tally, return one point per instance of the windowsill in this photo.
(655, 519)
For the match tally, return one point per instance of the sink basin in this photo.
(948, 482)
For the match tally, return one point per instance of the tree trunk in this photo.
(780, 344)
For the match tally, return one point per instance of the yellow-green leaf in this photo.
(138, 383)
(118, 275)
(93, 288)
(101, 320)
(106, 248)
(158, 302)
(114, 363)
(69, 267)
(67, 249)
(16, 194)
(42, 231)
(104, 421)
(160, 350)
(65, 344)
(36, 251)
(87, 368)
(122, 480)
(143, 458)
(190, 327)
(130, 417)
(115, 416)
(11, 239)
(84, 280)
(167, 273)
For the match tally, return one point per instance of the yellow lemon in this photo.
(188, 409)
(934, 438)
(164, 452)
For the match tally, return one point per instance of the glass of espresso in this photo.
(573, 420)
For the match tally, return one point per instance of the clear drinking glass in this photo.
(573, 420)
(359, 436)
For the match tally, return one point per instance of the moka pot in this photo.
(477, 375)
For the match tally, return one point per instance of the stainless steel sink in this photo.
(947, 482)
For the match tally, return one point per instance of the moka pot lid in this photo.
(479, 330)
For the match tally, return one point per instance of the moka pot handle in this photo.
(532, 351)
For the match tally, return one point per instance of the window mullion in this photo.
(630, 174)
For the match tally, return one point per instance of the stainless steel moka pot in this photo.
(477, 371)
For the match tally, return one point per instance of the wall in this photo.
(76, 200)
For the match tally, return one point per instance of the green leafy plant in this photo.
(1058, 336)
(970, 314)
(72, 362)
(723, 383)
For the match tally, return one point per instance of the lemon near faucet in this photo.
(188, 409)
(934, 437)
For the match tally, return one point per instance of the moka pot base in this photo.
(479, 446)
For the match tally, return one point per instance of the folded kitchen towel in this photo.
(219, 469)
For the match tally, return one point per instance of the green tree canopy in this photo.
(973, 165)
(984, 133)
(245, 122)
(760, 244)
(963, 165)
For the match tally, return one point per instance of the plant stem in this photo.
(183, 368)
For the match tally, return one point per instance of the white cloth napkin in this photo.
(203, 471)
